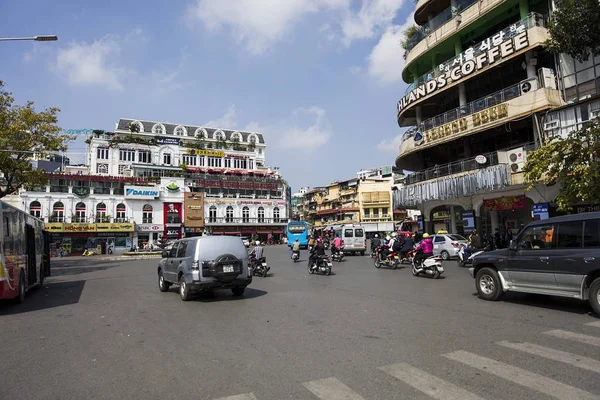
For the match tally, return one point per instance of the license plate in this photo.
(227, 268)
(264, 265)
(329, 264)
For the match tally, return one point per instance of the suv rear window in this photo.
(569, 235)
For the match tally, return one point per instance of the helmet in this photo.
(425, 235)
(257, 243)
(388, 237)
(318, 239)
(296, 239)
(376, 235)
(394, 234)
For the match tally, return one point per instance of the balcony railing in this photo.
(488, 101)
(244, 221)
(532, 20)
(456, 167)
(377, 218)
(88, 220)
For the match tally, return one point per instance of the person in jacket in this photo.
(424, 249)
(475, 239)
(337, 244)
(317, 250)
(296, 248)
(407, 246)
(375, 243)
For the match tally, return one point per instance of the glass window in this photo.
(536, 238)
(439, 239)
(229, 214)
(245, 214)
(147, 214)
(212, 214)
(570, 81)
(457, 237)
(102, 153)
(261, 214)
(367, 212)
(35, 209)
(276, 214)
(580, 66)
(348, 233)
(144, 157)
(181, 249)
(80, 212)
(102, 168)
(359, 233)
(569, 235)
(228, 163)
(121, 211)
(189, 160)
(173, 252)
(586, 75)
(127, 155)
(167, 158)
(585, 89)
(567, 65)
(591, 233)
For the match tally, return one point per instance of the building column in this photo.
(523, 8)
(452, 219)
(418, 112)
(462, 94)
(531, 73)
(494, 221)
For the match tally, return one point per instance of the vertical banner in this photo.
(420, 223)
(172, 218)
(468, 221)
(540, 211)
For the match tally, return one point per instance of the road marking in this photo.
(556, 355)
(430, 385)
(596, 324)
(331, 389)
(246, 396)
(517, 375)
(578, 337)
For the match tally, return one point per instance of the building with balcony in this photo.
(480, 84)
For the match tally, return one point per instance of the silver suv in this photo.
(205, 263)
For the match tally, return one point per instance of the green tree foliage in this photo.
(409, 33)
(574, 28)
(24, 133)
(573, 162)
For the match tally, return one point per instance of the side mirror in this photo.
(513, 245)
(165, 254)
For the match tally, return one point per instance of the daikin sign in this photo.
(496, 53)
(141, 192)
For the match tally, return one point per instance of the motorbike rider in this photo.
(475, 239)
(424, 250)
(257, 252)
(337, 245)
(375, 243)
(296, 248)
(392, 242)
(317, 250)
(311, 242)
(407, 246)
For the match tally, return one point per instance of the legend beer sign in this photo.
(497, 53)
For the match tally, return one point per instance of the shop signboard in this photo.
(194, 210)
(172, 213)
(141, 192)
(54, 226)
(149, 228)
(174, 141)
(468, 221)
(209, 153)
(540, 211)
(115, 227)
(79, 227)
(505, 203)
(420, 223)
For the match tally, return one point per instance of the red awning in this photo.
(264, 232)
(330, 211)
(399, 211)
(231, 233)
(247, 231)
(350, 209)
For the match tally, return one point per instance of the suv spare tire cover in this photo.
(229, 258)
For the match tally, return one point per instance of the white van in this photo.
(353, 236)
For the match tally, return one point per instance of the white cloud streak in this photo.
(226, 121)
(372, 18)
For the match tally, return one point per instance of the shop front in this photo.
(74, 238)
(147, 234)
(505, 216)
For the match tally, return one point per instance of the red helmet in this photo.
(319, 239)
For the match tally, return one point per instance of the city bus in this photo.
(298, 230)
(24, 253)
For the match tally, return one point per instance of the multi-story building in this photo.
(480, 83)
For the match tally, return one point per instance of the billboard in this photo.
(141, 192)
(172, 213)
(194, 210)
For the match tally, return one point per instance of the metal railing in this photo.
(480, 104)
(452, 168)
(242, 220)
(89, 220)
(533, 19)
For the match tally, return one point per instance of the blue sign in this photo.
(162, 140)
(418, 138)
(141, 192)
(540, 211)
(468, 221)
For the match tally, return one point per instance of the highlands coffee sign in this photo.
(494, 54)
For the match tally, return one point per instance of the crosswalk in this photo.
(434, 387)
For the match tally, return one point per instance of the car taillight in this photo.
(196, 266)
(454, 244)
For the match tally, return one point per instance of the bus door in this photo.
(46, 253)
(30, 252)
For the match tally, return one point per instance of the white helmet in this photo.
(376, 235)
(388, 237)
(394, 234)
(257, 243)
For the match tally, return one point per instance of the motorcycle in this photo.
(392, 260)
(260, 267)
(431, 266)
(408, 257)
(466, 253)
(337, 254)
(323, 266)
(295, 255)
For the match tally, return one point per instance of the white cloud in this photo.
(258, 23)
(373, 17)
(169, 80)
(391, 145)
(386, 61)
(92, 64)
(227, 121)
(293, 136)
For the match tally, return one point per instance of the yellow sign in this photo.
(116, 227)
(210, 153)
(79, 228)
(480, 118)
(54, 227)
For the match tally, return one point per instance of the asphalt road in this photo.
(104, 331)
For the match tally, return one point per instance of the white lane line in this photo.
(430, 385)
(246, 396)
(522, 377)
(331, 389)
(596, 324)
(578, 337)
(557, 355)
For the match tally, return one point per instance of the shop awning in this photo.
(232, 233)
(247, 231)
(329, 211)
(399, 211)
(264, 232)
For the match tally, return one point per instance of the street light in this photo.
(39, 38)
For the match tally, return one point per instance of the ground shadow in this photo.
(50, 295)
(226, 295)
(76, 269)
(556, 303)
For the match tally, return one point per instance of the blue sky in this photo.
(319, 78)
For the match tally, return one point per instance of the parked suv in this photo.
(558, 256)
(205, 263)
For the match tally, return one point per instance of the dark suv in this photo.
(558, 256)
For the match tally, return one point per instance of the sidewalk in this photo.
(105, 257)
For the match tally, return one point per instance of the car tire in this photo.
(184, 290)
(594, 295)
(488, 284)
(238, 291)
(163, 285)
(362, 253)
(445, 255)
(22, 288)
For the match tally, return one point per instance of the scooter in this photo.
(408, 257)
(392, 260)
(431, 266)
(295, 255)
(338, 254)
(466, 253)
(323, 266)
(260, 267)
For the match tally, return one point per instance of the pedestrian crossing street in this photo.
(436, 388)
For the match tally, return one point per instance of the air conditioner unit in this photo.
(528, 86)
(548, 126)
(516, 159)
(547, 78)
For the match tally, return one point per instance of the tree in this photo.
(24, 133)
(573, 162)
(574, 28)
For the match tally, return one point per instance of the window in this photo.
(182, 249)
(228, 163)
(250, 164)
(367, 212)
(212, 214)
(261, 215)
(376, 212)
(276, 214)
(384, 211)
(457, 237)
(80, 212)
(219, 135)
(240, 163)
(167, 158)
(121, 211)
(439, 239)
(359, 233)
(123, 168)
(144, 157)
(214, 162)
(173, 252)
(158, 129)
(179, 131)
(102, 168)
(58, 212)
(536, 237)
(147, 214)
(348, 233)
(201, 161)
(189, 160)
(127, 155)
(35, 209)
(569, 235)
(591, 233)
(102, 153)
(245, 214)
(229, 214)
(101, 213)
